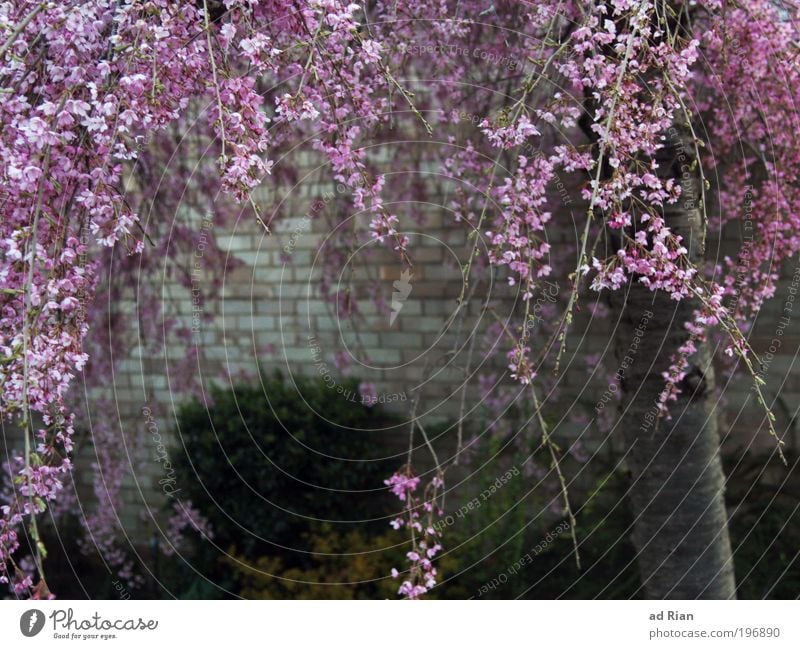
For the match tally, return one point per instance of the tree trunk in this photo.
(677, 491)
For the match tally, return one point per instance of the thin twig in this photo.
(553, 449)
(214, 77)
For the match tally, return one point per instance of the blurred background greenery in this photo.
(298, 510)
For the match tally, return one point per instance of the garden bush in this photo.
(269, 472)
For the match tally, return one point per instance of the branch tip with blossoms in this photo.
(419, 515)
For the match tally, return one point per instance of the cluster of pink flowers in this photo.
(292, 109)
(655, 257)
(368, 393)
(511, 135)
(750, 53)
(519, 365)
(704, 319)
(402, 485)
(257, 49)
(518, 239)
(185, 516)
(419, 518)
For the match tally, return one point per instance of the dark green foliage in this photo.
(608, 567)
(764, 505)
(529, 553)
(764, 527)
(268, 463)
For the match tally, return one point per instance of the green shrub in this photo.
(343, 566)
(763, 502)
(270, 464)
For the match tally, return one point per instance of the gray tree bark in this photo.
(677, 489)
